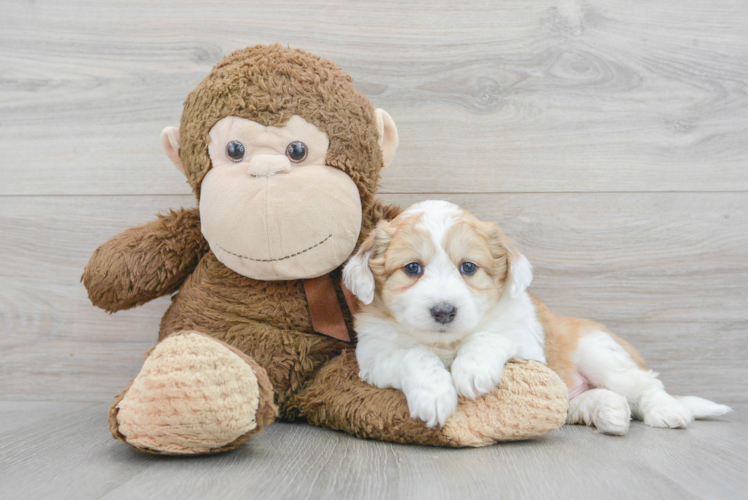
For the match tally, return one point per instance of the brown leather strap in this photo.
(350, 299)
(324, 308)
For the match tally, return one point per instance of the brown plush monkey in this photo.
(284, 156)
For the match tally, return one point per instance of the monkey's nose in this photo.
(444, 313)
(267, 165)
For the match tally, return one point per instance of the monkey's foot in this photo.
(194, 395)
(531, 401)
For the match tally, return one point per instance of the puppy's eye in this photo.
(413, 269)
(235, 151)
(468, 268)
(297, 151)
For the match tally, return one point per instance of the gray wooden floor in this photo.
(62, 450)
(610, 139)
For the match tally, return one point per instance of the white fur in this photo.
(433, 364)
(604, 363)
(415, 354)
(703, 408)
(521, 275)
(357, 277)
(606, 410)
(390, 355)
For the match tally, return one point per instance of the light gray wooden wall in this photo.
(609, 138)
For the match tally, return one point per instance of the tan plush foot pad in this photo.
(531, 401)
(193, 395)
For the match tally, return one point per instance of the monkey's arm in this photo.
(145, 262)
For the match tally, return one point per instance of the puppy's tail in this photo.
(703, 408)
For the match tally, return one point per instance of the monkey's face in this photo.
(270, 208)
(285, 157)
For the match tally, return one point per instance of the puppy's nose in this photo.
(444, 313)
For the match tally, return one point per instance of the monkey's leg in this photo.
(531, 401)
(193, 395)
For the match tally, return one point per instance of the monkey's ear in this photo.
(387, 135)
(170, 143)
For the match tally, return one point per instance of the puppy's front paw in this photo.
(473, 377)
(433, 401)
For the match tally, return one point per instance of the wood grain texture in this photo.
(545, 96)
(609, 138)
(665, 270)
(64, 450)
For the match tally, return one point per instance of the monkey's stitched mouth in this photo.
(281, 258)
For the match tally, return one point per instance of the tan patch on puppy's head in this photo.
(436, 270)
(499, 264)
(470, 241)
(424, 238)
(408, 244)
(389, 247)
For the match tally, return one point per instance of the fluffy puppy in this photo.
(445, 305)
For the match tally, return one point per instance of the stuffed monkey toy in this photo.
(284, 156)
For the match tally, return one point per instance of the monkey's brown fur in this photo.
(267, 322)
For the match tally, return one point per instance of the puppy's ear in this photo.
(519, 272)
(357, 275)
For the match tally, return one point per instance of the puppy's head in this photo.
(437, 270)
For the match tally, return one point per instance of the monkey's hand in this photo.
(145, 262)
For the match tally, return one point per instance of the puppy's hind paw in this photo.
(613, 419)
(668, 417)
(606, 410)
(663, 410)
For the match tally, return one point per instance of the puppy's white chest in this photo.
(446, 354)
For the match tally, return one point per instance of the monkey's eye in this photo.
(235, 151)
(468, 268)
(296, 151)
(413, 269)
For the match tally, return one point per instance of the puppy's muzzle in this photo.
(444, 313)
